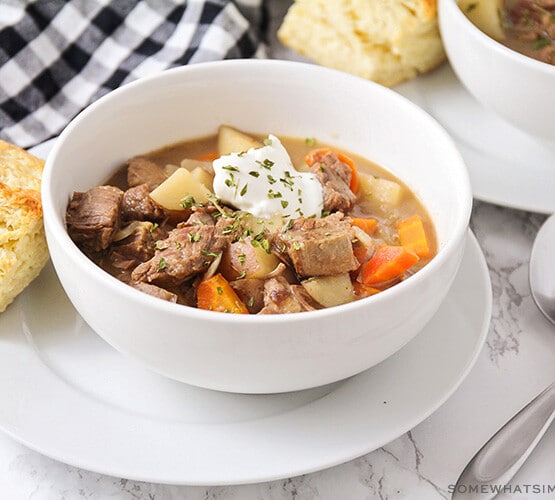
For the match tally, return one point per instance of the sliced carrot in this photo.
(216, 294)
(362, 290)
(413, 236)
(387, 263)
(367, 225)
(313, 156)
(209, 156)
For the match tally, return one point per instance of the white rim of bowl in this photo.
(460, 17)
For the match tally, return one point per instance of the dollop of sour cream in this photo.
(264, 182)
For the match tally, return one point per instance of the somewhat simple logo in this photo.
(485, 489)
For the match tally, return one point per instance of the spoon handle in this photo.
(505, 452)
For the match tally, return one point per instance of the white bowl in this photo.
(258, 354)
(516, 87)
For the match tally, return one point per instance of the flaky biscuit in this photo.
(23, 250)
(387, 41)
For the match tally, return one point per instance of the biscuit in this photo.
(387, 41)
(23, 250)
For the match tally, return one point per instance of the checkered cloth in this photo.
(58, 56)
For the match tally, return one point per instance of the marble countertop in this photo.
(516, 363)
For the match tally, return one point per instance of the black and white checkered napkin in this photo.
(58, 56)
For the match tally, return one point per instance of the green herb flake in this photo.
(162, 264)
(187, 202)
(267, 163)
(244, 190)
(540, 43)
(284, 203)
(287, 226)
(296, 245)
(254, 173)
(220, 290)
(273, 195)
(310, 141)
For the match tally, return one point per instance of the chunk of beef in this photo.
(279, 297)
(139, 244)
(187, 251)
(143, 171)
(93, 217)
(202, 216)
(138, 205)
(304, 298)
(319, 247)
(155, 291)
(335, 177)
(251, 293)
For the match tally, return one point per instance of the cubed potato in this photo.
(381, 190)
(485, 15)
(257, 225)
(201, 175)
(231, 140)
(242, 259)
(190, 164)
(179, 186)
(330, 290)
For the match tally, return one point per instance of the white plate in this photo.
(70, 396)
(506, 166)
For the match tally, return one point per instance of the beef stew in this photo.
(242, 223)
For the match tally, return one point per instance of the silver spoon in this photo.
(542, 269)
(500, 458)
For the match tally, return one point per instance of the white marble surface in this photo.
(516, 363)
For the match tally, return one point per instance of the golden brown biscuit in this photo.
(387, 41)
(23, 250)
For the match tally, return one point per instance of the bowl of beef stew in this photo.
(503, 51)
(256, 226)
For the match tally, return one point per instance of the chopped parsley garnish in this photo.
(540, 43)
(310, 141)
(267, 163)
(162, 264)
(287, 226)
(272, 194)
(254, 173)
(188, 202)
